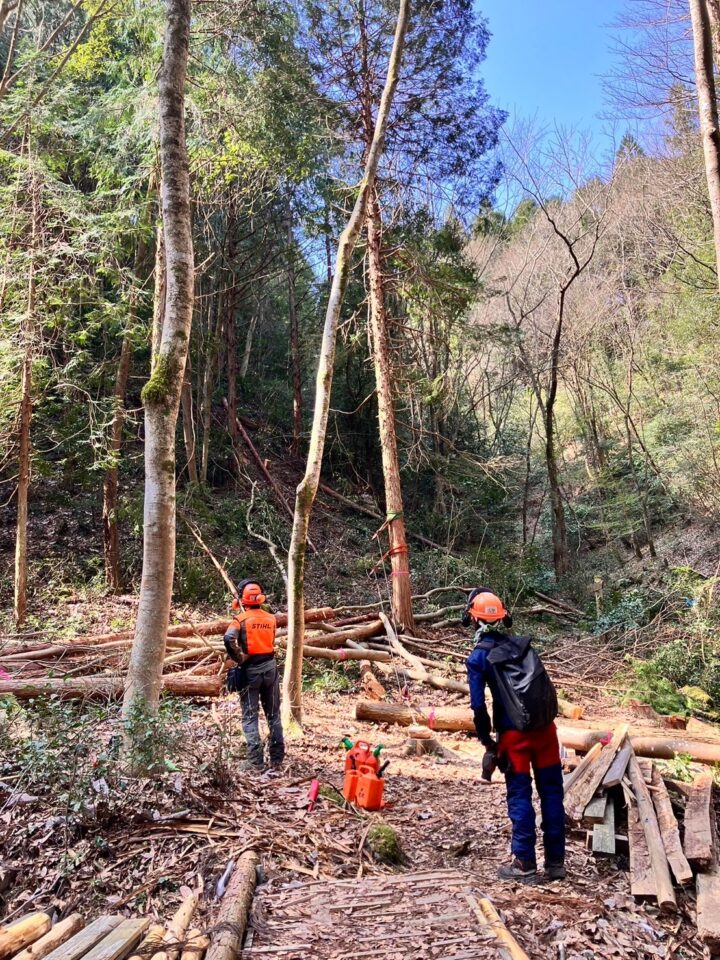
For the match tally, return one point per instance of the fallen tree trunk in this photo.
(324, 654)
(106, 688)
(227, 937)
(378, 516)
(459, 719)
(211, 628)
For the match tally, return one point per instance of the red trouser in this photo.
(534, 748)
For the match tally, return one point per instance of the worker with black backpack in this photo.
(524, 709)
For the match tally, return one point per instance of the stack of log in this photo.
(609, 782)
(93, 667)
(114, 937)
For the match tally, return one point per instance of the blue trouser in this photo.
(549, 784)
(540, 750)
(263, 687)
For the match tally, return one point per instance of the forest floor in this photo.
(140, 845)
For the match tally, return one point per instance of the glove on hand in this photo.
(489, 761)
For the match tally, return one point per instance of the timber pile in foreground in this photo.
(114, 937)
(610, 781)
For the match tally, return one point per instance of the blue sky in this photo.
(546, 58)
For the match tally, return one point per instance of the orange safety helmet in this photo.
(487, 607)
(250, 596)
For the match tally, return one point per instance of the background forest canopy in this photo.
(552, 319)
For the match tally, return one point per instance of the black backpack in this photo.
(521, 682)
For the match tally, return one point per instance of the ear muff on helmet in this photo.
(507, 621)
(252, 595)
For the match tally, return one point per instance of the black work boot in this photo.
(555, 870)
(525, 871)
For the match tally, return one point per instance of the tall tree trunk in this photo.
(208, 377)
(23, 487)
(161, 395)
(188, 422)
(561, 554)
(294, 336)
(708, 111)
(231, 365)
(384, 381)
(160, 295)
(111, 530)
(307, 489)
(111, 534)
(247, 352)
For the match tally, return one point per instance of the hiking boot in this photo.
(525, 871)
(251, 766)
(555, 870)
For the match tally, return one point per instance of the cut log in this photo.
(698, 844)
(614, 776)
(427, 746)
(16, 936)
(371, 686)
(596, 809)
(227, 937)
(195, 946)
(150, 942)
(106, 687)
(661, 747)
(55, 937)
(177, 928)
(489, 918)
(669, 830)
(603, 835)
(119, 942)
(582, 790)
(658, 860)
(642, 879)
(84, 941)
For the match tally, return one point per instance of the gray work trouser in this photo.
(263, 688)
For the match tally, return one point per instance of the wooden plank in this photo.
(582, 766)
(85, 940)
(642, 881)
(614, 776)
(120, 941)
(708, 901)
(658, 859)
(603, 837)
(583, 789)
(698, 843)
(708, 908)
(595, 810)
(669, 830)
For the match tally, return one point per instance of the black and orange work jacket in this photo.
(250, 638)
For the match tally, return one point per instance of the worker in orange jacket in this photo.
(250, 642)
